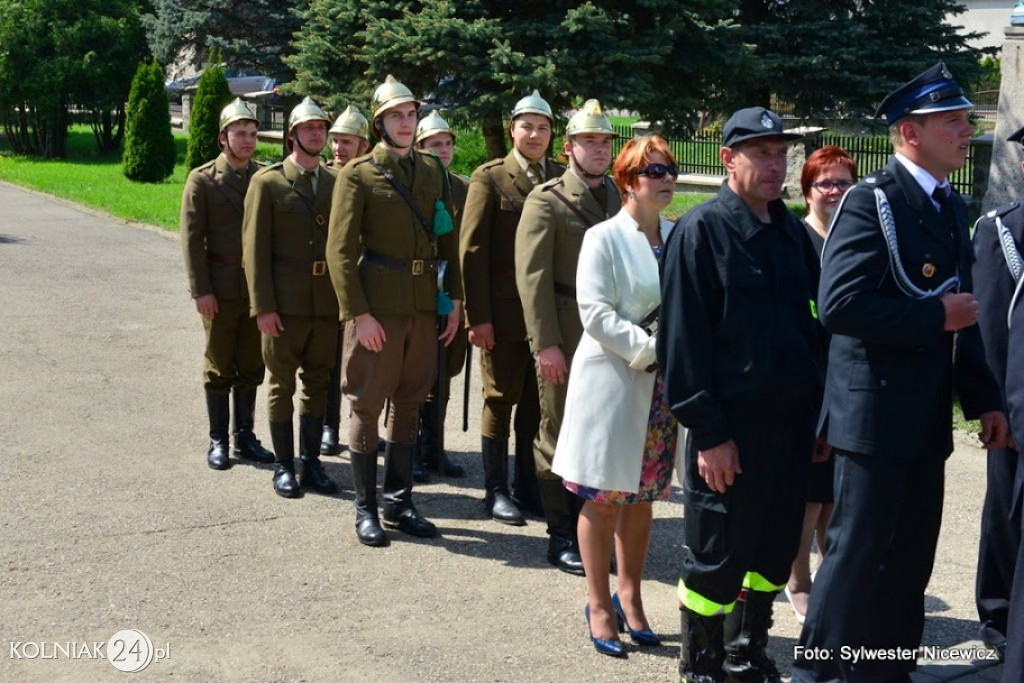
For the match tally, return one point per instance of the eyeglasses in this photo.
(829, 186)
(658, 171)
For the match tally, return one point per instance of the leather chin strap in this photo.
(378, 126)
(579, 170)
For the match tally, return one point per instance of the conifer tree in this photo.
(212, 95)
(149, 151)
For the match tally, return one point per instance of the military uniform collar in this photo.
(746, 221)
(925, 180)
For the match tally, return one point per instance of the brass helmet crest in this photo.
(352, 122)
(590, 119)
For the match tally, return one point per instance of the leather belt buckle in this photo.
(417, 266)
(319, 268)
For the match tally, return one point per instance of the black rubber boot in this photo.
(561, 513)
(399, 511)
(313, 475)
(701, 653)
(525, 489)
(496, 497)
(329, 443)
(282, 435)
(746, 639)
(364, 479)
(434, 456)
(220, 416)
(247, 446)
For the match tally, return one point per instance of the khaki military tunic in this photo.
(211, 240)
(497, 193)
(284, 238)
(383, 261)
(548, 243)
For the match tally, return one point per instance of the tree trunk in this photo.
(494, 136)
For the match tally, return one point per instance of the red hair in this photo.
(822, 159)
(636, 154)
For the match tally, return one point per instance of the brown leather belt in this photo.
(317, 268)
(417, 266)
(224, 259)
(565, 290)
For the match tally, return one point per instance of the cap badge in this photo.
(928, 269)
(766, 121)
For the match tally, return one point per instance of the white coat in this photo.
(608, 400)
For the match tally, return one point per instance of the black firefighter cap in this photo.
(932, 91)
(754, 122)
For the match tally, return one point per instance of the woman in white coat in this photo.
(617, 445)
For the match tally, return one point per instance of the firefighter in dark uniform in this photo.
(284, 236)
(556, 215)
(433, 134)
(998, 266)
(743, 360)
(350, 138)
(211, 239)
(895, 295)
(390, 242)
(494, 312)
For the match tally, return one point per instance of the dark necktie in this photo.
(310, 177)
(406, 165)
(534, 173)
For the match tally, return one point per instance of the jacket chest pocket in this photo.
(747, 306)
(291, 205)
(385, 194)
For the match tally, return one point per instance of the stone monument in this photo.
(1005, 182)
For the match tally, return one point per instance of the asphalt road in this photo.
(113, 521)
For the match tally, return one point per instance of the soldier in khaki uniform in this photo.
(433, 134)
(284, 238)
(497, 192)
(548, 242)
(211, 239)
(389, 241)
(350, 138)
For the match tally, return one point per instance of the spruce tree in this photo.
(149, 151)
(212, 95)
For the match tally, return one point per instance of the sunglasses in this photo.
(658, 171)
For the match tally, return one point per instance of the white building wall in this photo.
(991, 16)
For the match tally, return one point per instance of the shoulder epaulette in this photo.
(549, 184)
(877, 179)
(1002, 210)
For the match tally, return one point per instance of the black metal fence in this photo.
(699, 154)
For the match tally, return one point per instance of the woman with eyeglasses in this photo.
(617, 445)
(827, 174)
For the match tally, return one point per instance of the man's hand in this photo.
(551, 364)
(270, 323)
(719, 465)
(994, 430)
(961, 310)
(452, 325)
(822, 451)
(369, 333)
(207, 305)
(482, 336)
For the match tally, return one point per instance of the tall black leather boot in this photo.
(282, 434)
(329, 441)
(218, 412)
(746, 639)
(399, 511)
(435, 458)
(496, 497)
(247, 446)
(364, 479)
(561, 513)
(313, 475)
(701, 652)
(525, 489)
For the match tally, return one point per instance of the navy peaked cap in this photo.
(929, 92)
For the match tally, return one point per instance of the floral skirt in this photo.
(658, 459)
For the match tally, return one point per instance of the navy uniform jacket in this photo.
(891, 374)
(994, 286)
(737, 321)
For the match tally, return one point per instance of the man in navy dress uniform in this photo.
(896, 296)
(998, 266)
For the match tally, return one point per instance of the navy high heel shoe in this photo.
(611, 646)
(645, 637)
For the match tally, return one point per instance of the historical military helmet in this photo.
(236, 111)
(306, 110)
(390, 93)
(590, 119)
(432, 124)
(533, 104)
(352, 122)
